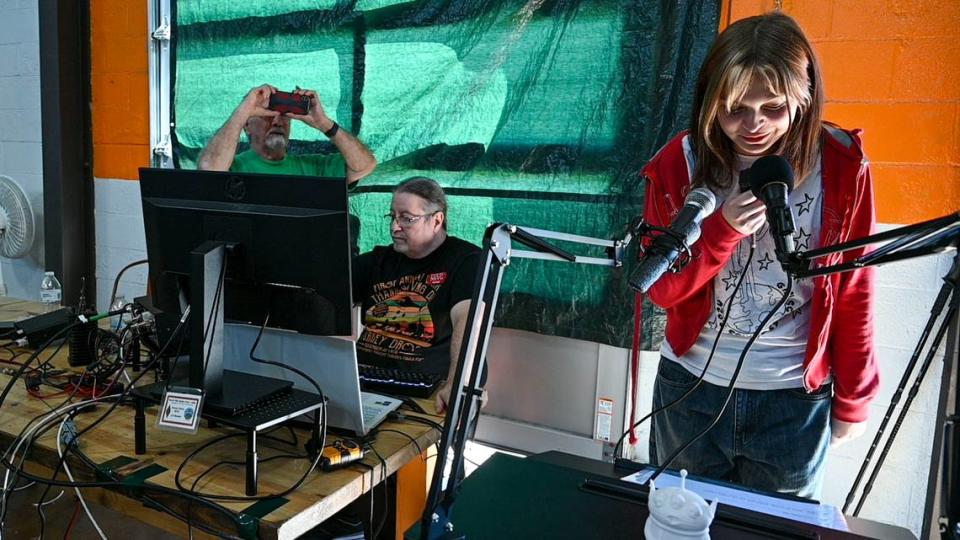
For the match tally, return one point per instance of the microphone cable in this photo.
(713, 348)
(733, 381)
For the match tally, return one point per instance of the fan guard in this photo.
(16, 220)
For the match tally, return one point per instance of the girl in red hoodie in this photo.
(808, 379)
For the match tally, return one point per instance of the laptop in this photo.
(330, 361)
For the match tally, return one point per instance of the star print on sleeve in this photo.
(805, 204)
(802, 239)
(765, 261)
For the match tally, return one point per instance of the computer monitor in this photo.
(240, 246)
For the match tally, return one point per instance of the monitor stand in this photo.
(251, 403)
(225, 391)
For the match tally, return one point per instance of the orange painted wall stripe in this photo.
(120, 87)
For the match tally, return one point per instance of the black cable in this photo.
(414, 441)
(17, 471)
(706, 366)
(259, 461)
(323, 431)
(117, 484)
(93, 466)
(176, 359)
(372, 469)
(435, 425)
(383, 480)
(212, 442)
(9, 386)
(116, 281)
(413, 405)
(733, 380)
(253, 357)
(75, 437)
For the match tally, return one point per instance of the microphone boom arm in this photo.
(917, 240)
(497, 250)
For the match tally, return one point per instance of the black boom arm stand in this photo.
(926, 238)
(497, 249)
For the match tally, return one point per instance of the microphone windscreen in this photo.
(768, 169)
(703, 198)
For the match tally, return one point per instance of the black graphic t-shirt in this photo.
(406, 304)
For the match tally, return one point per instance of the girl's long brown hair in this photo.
(771, 49)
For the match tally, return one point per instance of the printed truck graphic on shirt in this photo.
(404, 316)
(399, 324)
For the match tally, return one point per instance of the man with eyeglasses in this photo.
(269, 134)
(415, 294)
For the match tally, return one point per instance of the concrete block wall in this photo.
(120, 86)
(120, 240)
(121, 133)
(889, 67)
(904, 296)
(21, 150)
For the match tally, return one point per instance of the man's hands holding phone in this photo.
(289, 103)
(315, 116)
(303, 105)
(257, 103)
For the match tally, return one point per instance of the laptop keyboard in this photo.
(376, 407)
(398, 381)
(370, 414)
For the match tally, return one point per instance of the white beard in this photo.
(275, 142)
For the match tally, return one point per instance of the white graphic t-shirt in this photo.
(775, 360)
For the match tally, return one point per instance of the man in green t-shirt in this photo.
(269, 134)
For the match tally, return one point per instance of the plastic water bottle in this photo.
(50, 292)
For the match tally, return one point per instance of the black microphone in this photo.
(683, 231)
(771, 180)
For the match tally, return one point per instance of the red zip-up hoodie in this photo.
(841, 316)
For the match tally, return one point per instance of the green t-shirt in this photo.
(331, 165)
(301, 165)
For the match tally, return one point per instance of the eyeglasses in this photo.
(406, 220)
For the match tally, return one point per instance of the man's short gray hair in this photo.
(427, 189)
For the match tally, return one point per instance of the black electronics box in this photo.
(37, 330)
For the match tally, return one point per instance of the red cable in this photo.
(635, 362)
(73, 520)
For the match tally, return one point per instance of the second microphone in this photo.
(684, 230)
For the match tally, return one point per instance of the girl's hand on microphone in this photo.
(744, 212)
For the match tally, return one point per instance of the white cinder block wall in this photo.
(21, 151)
(120, 240)
(905, 294)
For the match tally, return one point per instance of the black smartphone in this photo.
(288, 102)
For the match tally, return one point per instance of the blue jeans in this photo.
(772, 440)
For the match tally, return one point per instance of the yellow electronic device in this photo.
(341, 452)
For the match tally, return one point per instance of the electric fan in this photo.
(16, 223)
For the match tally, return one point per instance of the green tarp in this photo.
(537, 113)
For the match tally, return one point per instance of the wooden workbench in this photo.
(111, 445)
